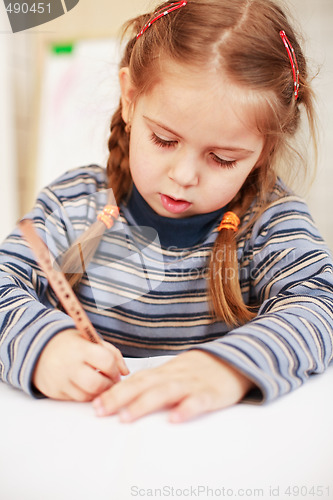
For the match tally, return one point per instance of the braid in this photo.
(119, 179)
(225, 294)
(118, 173)
(224, 290)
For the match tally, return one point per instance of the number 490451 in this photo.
(24, 8)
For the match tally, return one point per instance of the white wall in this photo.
(8, 165)
(316, 19)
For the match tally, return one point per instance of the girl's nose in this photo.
(184, 171)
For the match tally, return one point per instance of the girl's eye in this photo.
(222, 162)
(162, 143)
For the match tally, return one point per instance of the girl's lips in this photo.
(174, 206)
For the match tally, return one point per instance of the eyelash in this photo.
(161, 143)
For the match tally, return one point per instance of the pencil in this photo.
(59, 284)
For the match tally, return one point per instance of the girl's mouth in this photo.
(174, 206)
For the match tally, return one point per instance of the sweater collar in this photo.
(179, 233)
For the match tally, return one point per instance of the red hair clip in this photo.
(293, 61)
(160, 13)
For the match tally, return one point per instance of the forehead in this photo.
(191, 99)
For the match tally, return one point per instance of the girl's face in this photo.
(191, 144)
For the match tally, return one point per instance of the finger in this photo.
(121, 394)
(119, 358)
(153, 400)
(75, 393)
(191, 407)
(103, 360)
(61, 396)
(52, 389)
(90, 381)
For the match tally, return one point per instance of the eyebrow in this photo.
(235, 149)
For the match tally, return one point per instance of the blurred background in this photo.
(58, 89)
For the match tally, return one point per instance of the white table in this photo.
(51, 450)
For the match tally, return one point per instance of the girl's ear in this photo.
(127, 94)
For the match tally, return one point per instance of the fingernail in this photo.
(100, 412)
(99, 408)
(125, 370)
(97, 402)
(124, 415)
(174, 418)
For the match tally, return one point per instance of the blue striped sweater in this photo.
(150, 299)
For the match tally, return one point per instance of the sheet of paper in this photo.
(136, 364)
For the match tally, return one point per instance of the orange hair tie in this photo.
(108, 215)
(229, 221)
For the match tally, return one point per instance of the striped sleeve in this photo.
(28, 317)
(291, 278)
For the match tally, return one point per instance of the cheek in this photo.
(145, 159)
(139, 145)
(224, 186)
(141, 165)
(227, 180)
(136, 155)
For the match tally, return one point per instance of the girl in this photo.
(241, 283)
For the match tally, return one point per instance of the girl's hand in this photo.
(73, 368)
(192, 383)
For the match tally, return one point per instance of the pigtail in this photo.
(78, 256)
(224, 290)
(224, 287)
(118, 172)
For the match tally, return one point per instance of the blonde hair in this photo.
(242, 38)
